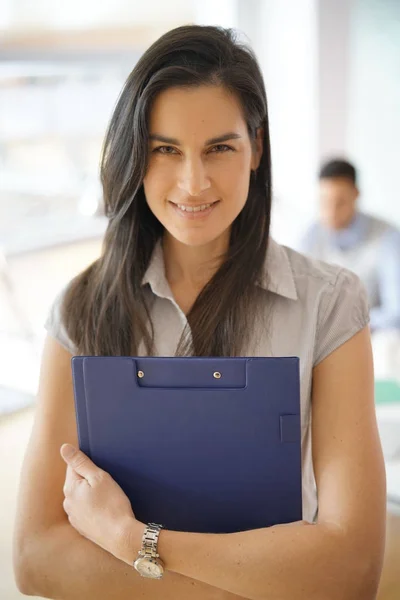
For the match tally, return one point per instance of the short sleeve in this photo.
(344, 312)
(54, 325)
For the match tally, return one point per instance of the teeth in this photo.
(194, 208)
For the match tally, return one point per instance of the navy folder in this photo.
(207, 445)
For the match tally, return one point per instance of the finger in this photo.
(80, 463)
(71, 478)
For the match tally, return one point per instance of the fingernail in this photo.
(68, 451)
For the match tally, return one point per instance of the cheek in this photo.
(154, 186)
(232, 178)
(159, 178)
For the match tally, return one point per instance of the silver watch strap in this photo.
(150, 540)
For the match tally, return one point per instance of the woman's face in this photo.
(200, 158)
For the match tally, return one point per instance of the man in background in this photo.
(360, 242)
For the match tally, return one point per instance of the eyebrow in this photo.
(156, 137)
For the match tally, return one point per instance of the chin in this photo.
(197, 239)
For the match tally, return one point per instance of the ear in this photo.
(257, 149)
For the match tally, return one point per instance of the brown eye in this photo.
(165, 150)
(221, 148)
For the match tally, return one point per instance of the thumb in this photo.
(80, 462)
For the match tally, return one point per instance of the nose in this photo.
(193, 178)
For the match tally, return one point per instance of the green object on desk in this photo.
(387, 391)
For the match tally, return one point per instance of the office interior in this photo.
(332, 77)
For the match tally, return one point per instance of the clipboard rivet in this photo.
(140, 374)
(217, 375)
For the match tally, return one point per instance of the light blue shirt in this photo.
(371, 248)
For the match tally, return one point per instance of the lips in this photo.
(194, 212)
(194, 208)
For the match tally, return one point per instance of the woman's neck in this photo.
(193, 266)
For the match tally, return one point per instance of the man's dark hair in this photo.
(338, 168)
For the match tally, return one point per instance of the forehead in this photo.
(196, 111)
(336, 186)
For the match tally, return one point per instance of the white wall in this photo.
(287, 48)
(216, 12)
(373, 137)
(80, 14)
(333, 76)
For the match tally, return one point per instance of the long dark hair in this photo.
(106, 308)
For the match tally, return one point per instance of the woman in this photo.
(188, 267)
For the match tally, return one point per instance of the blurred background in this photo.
(332, 75)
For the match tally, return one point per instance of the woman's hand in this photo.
(98, 508)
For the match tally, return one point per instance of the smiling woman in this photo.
(190, 130)
(188, 268)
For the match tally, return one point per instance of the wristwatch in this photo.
(148, 563)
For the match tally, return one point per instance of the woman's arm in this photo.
(340, 557)
(51, 559)
(61, 564)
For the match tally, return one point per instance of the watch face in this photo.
(148, 567)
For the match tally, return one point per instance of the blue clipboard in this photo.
(207, 445)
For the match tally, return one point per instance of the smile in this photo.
(189, 208)
(193, 212)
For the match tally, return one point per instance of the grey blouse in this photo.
(307, 309)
